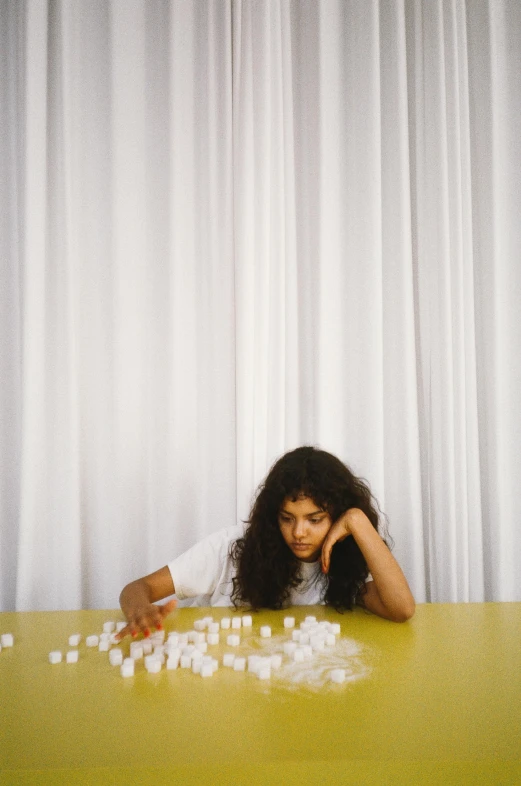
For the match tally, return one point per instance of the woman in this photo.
(311, 537)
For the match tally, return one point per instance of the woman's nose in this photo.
(299, 529)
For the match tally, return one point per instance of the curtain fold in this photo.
(230, 228)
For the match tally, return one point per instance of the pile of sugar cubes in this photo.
(190, 650)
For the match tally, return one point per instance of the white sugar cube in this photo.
(254, 662)
(225, 623)
(113, 639)
(172, 662)
(173, 652)
(338, 675)
(214, 627)
(298, 655)
(72, 656)
(215, 664)
(228, 659)
(310, 619)
(74, 640)
(55, 657)
(130, 661)
(295, 636)
(147, 646)
(120, 626)
(159, 649)
(191, 635)
(265, 631)
(158, 637)
(197, 665)
(173, 639)
(304, 638)
(183, 639)
(92, 641)
(308, 651)
(335, 628)
(276, 661)
(264, 673)
(115, 657)
(207, 659)
(154, 667)
(239, 664)
(233, 640)
(206, 670)
(148, 659)
(289, 647)
(202, 646)
(247, 621)
(199, 625)
(236, 623)
(213, 638)
(127, 669)
(104, 637)
(188, 649)
(109, 627)
(207, 621)
(7, 640)
(199, 638)
(330, 640)
(289, 622)
(317, 643)
(136, 651)
(104, 646)
(185, 662)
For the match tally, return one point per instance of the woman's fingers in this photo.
(126, 631)
(326, 552)
(143, 621)
(337, 532)
(167, 608)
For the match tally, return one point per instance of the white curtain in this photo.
(231, 227)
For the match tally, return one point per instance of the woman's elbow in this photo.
(406, 612)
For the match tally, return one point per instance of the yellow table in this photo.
(440, 703)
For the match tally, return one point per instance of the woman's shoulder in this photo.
(211, 549)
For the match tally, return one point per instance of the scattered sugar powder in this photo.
(312, 674)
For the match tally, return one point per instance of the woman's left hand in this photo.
(340, 530)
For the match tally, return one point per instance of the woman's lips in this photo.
(301, 546)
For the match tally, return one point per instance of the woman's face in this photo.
(304, 527)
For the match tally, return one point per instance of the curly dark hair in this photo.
(266, 568)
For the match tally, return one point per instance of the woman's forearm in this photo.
(389, 580)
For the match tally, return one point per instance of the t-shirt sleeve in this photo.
(198, 571)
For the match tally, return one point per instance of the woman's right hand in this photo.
(138, 603)
(145, 617)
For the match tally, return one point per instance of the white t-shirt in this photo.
(207, 570)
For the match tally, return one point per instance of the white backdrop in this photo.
(230, 227)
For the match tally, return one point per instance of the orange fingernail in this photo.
(146, 633)
(159, 627)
